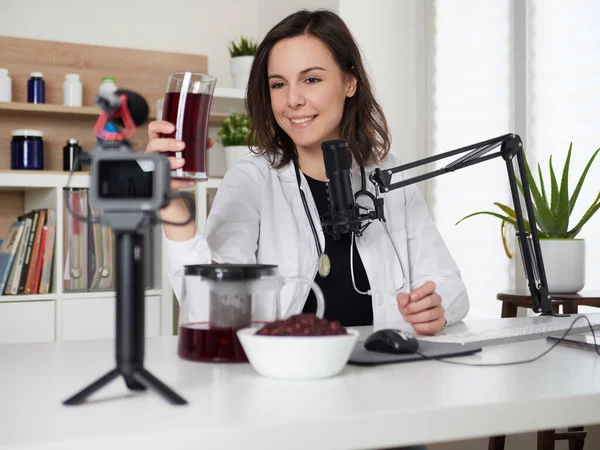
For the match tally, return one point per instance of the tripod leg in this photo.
(80, 397)
(150, 381)
(132, 384)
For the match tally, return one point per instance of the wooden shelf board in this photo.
(83, 111)
(46, 108)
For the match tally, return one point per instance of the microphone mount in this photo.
(511, 146)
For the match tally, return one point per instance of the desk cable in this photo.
(514, 363)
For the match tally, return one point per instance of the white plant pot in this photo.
(234, 153)
(564, 262)
(240, 70)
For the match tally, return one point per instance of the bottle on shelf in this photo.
(5, 86)
(27, 150)
(72, 156)
(72, 90)
(36, 88)
(107, 86)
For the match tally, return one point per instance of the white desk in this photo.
(232, 407)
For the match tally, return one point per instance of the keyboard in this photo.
(542, 327)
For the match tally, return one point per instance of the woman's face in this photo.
(308, 91)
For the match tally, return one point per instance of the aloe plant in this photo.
(243, 47)
(552, 212)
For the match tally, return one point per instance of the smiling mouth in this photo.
(303, 121)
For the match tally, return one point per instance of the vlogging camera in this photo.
(126, 181)
(121, 180)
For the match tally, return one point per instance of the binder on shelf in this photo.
(8, 250)
(89, 249)
(101, 256)
(75, 241)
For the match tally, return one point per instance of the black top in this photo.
(342, 302)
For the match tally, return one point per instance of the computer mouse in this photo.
(392, 341)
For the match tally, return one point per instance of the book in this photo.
(12, 285)
(38, 264)
(35, 253)
(44, 287)
(8, 251)
(27, 260)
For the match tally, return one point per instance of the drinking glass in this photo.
(187, 106)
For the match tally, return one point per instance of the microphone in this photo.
(343, 216)
(123, 108)
(112, 105)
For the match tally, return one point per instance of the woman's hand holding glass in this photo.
(156, 143)
(177, 211)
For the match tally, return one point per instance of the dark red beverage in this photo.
(195, 128)
(198, 342)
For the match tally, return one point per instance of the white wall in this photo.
(390, 34)
(185, 26)
(270, 12)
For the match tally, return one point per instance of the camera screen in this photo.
(126, 179)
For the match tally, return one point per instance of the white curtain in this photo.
(562, 101)
(470, 99)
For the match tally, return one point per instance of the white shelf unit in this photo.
(71, 315)
(89, 315)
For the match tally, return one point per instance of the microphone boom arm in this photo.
(511, 146)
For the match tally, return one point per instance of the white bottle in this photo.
(72, 90)
(5, 86)
(107, 86)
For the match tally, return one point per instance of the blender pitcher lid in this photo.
(231, 272)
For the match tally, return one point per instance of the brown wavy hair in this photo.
(363, 124)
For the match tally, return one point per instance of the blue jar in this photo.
(27, 150)
(36, 88)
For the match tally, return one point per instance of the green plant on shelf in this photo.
(235, 130)
(244, 46)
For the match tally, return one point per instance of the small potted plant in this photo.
(242, 54)
(562, 252)
(234, 134)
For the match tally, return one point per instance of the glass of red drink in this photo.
(187, 106)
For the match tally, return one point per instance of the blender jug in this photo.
(219, 299)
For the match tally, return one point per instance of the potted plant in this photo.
(234, 134)
(242, 54)
(563, 253)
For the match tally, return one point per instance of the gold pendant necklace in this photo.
(324, 265)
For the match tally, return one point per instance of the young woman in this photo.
(308, 85)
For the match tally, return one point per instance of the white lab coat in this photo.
(258, 217)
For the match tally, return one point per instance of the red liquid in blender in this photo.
(198, 342)
(195, 127)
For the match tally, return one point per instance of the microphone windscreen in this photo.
(336, 156)
(138, 107)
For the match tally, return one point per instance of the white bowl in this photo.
(297, 357)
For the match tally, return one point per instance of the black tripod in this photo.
(130, 325)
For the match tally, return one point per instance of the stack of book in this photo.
(27, 253)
